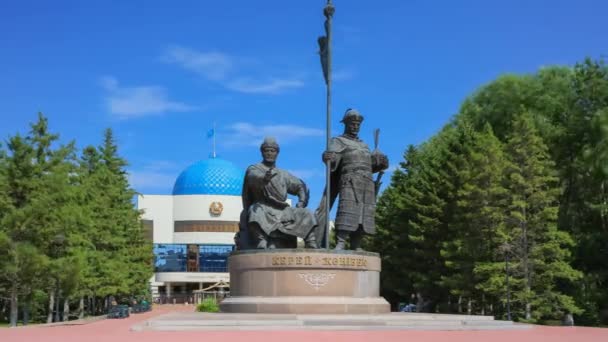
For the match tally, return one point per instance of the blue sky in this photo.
(160, 73)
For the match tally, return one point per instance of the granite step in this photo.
(392, 321)
(331, 328)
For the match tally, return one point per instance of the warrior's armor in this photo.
(354, 164)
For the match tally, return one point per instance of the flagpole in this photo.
(328, 12)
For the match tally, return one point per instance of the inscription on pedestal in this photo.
(317, 280)
(308, 260)
(291, 260)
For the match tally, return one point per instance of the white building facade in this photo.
(193, 229)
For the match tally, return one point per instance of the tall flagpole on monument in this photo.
(325, 54)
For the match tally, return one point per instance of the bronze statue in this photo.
(267, 220)
(352, 167)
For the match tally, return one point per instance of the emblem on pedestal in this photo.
(216, 208)
(317, 280)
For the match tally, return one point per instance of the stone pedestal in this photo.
(304, 281)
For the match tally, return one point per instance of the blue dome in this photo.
(210, 177)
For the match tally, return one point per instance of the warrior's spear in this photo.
(325, 53)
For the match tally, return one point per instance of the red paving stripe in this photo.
(118, 330)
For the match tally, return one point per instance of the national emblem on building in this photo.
(216, 208)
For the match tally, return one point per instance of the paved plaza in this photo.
(121, 330)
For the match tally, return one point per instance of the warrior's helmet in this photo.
(351, 114)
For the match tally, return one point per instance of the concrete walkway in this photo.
(119, 330)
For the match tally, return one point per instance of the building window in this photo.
(191, 257)
(170, 257)
(148, 229)
(214, 258)
(205, 227)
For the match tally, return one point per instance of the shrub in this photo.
(208, 305)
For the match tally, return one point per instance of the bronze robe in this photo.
(265, 202)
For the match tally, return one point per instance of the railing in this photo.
(178, 298)
(190, 298)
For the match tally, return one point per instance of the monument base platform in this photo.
(305, 305)
(304, 281)
(201, 321)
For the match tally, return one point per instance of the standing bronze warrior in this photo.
(352, 167)
(267, 220)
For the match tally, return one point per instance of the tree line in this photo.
(506, 208)
(70, 236)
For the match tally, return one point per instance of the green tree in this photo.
(391, 238)
(55, 172)
(540, 250)
(428, 206)
(68, 227)
(18, 184)
(415, 212)
(91, 247)
(37, 177)
(478, 218)
(137, 251)
(567, 105)
(121, 263)
(584, 210)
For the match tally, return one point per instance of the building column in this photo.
(185, 293)
(168, 286)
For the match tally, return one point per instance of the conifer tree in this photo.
(430, 195)
(408, 222)
(128, 268)
(584, 209)
(540, 252)
(478, 216)
(391, 238)
(68, 228)
(570, 110)
(18, 186)
(92, 250)
(38, 187)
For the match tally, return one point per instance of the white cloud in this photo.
(132, 102)
(228, 71)
(272, 86)
(212, 65)
(243, 133)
